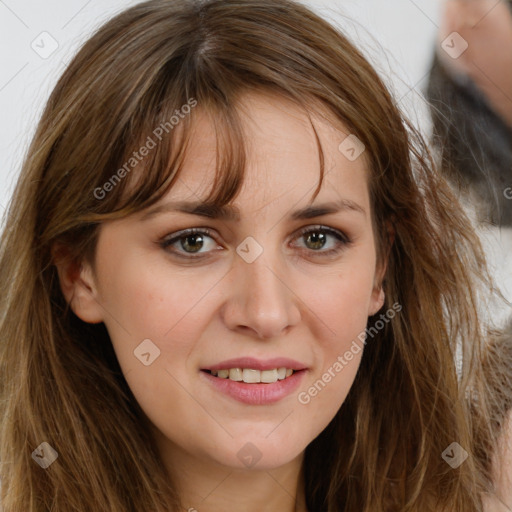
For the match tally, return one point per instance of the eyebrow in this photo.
(232, 213)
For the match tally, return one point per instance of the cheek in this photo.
(342, 300)
(154, 301)
(169, 308)
(342, 307)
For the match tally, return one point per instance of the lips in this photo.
(257, 364)
(254, 394)
(260, 386)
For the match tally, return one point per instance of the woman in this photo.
(194, 319)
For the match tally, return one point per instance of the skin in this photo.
(292, 301)
(486, 25)
(501, 501)
(504, 471)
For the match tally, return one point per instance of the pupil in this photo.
(318, 239)
(193, 237)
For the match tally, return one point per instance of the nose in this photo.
(260, 300)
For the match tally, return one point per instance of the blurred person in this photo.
(470, 93)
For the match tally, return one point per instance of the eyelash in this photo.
(343, 240)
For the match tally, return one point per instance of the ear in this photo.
(378, 295)
(78, 285)
(377, 299)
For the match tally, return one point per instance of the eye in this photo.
(317, 237)
(190, 241)
(188, 244)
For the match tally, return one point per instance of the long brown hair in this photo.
(61, 382)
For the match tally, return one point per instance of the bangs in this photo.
(166, 129)
(140, 181)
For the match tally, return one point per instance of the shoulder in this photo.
(502, 471)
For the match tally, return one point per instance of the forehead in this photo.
(283, 157)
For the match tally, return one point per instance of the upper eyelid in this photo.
(321, 227)
(209, 231)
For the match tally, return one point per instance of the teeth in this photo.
(269, 376)
(236, 374)
(251, 376)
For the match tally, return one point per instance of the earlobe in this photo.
(78, 286)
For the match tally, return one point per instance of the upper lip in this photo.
(257, 364)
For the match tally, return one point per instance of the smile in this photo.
(252, 376)
(254, 390)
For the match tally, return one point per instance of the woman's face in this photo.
(253, 287)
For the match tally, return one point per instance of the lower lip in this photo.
(256, 394)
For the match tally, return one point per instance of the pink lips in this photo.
(256, 394)
(257, 364)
